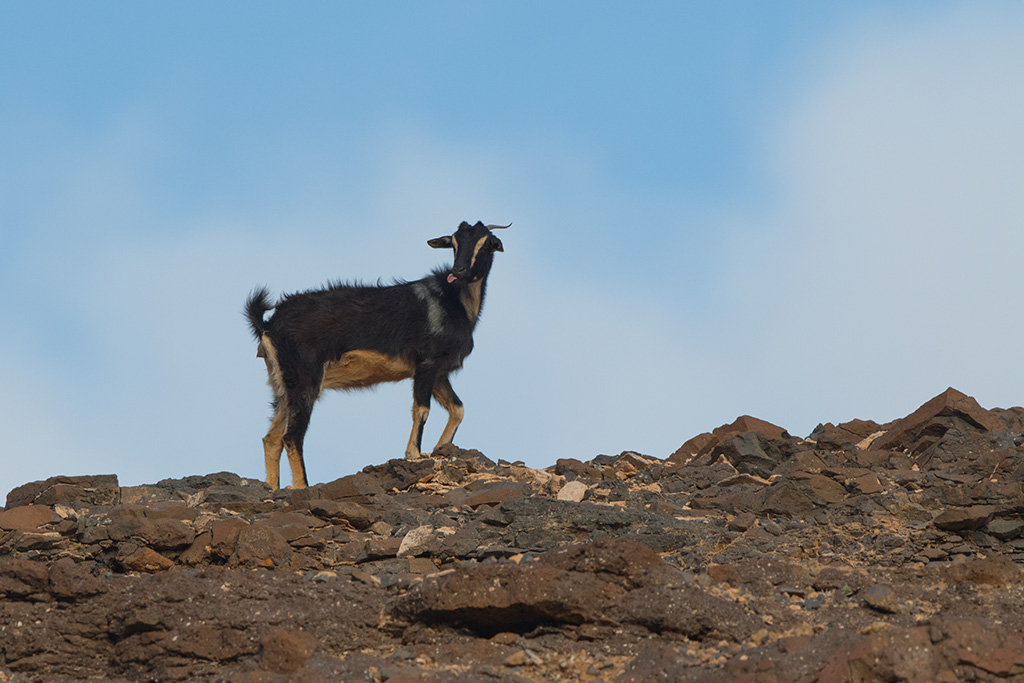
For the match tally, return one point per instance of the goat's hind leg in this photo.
(300, 407)
(273, 443)
(446, 396)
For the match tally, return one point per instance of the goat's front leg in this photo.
(446, 396)
(422, 388)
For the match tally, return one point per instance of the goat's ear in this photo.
(440, 242)
(496, 244)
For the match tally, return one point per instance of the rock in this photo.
(417, 542)
(356, 488)
(224, 535)
(744, 452)
(26, 517)
(402, 474)
(996, 571)
(573, 491)
(908, 432)
(1006, 529)
(704, 443)
(573, 468)
(20, 578)
(71, 581)
(162, 534)
(358, 516)
(71, 491)
(882, 598)
(800, 494)
(507, 597)
(495, 492)
(200, 551)
(699, 444)
(961, 519)
(286, 651)
(143, 559)
(259, 546)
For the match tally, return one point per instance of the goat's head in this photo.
(474, 247)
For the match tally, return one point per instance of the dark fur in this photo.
(310, 329)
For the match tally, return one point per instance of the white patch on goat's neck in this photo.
(472, 298)
(435, 314)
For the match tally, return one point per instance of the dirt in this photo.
(863, 552)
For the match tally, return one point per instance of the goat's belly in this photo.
(358, 369)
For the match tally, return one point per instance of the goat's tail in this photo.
(256, 306)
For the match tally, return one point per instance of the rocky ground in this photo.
(864, 552)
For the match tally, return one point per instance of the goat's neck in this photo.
(472, 297)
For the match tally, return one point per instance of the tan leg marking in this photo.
(419, 418)
(446, 397)
(298, 469)
(273, 441)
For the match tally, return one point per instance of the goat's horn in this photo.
(499, 227)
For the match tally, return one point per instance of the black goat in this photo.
(354, 336)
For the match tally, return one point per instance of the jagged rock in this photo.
(260, 546)
(72, 491)
(961, 519)
(286, 651)
(927, 424)
(161, 534)
(26, 517)
(882, 598)
(142, 559)
(1006, 529)
(355, 488)
(573, 491)
(224, 535)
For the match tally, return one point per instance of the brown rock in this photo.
(963, 519)
(704, 443)
(692, 447)
(259, 546)
(1005, 529)
(70, 581)
(224, 535)
(572, 466)
(143, 559)
(573, 491)
(20, 578)
(620, 560)
(286, 651)
(997, 570)
(164, 534)
(508, 597)
(800, 494)
(26, 517)
(903, 433)
(358, 488)
(881, 597)
(101, 489)
(496, 492)
(199, 551)
(358, 516)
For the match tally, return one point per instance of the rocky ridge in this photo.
(862, 552)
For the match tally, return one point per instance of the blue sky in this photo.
(803, 211)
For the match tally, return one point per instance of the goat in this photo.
(349, 336)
